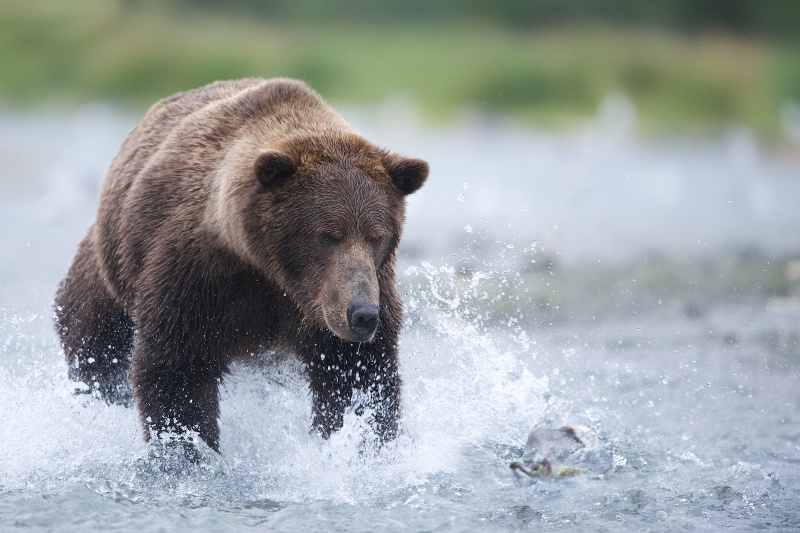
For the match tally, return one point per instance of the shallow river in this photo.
(645, 293)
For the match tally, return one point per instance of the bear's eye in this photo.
(376, 241)
(329, 239)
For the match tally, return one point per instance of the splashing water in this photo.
(690, 393)
(471, 395)
(462, 391)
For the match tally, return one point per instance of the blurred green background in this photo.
(689, 66)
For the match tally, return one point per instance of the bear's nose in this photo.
(363, 319)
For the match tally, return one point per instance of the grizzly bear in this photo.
(241, 217)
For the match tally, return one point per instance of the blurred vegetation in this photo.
(688, 65)
(772, 19)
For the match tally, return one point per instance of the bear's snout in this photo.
(350, 297)
(362, 319)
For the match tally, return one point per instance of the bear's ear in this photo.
(407, 173)
(272, 168)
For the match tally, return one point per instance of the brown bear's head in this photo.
(323, 220)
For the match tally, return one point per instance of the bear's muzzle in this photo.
(350, 297)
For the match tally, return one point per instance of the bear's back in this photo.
(245, 100)
(181, 142)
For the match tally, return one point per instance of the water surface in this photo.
(642, 292)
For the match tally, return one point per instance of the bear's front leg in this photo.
(383, 389)
(178, 360)
(175, 397)
(186, 321)
(337, 369)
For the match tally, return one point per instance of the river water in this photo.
(646, 293)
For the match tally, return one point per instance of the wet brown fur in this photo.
(239, 217)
